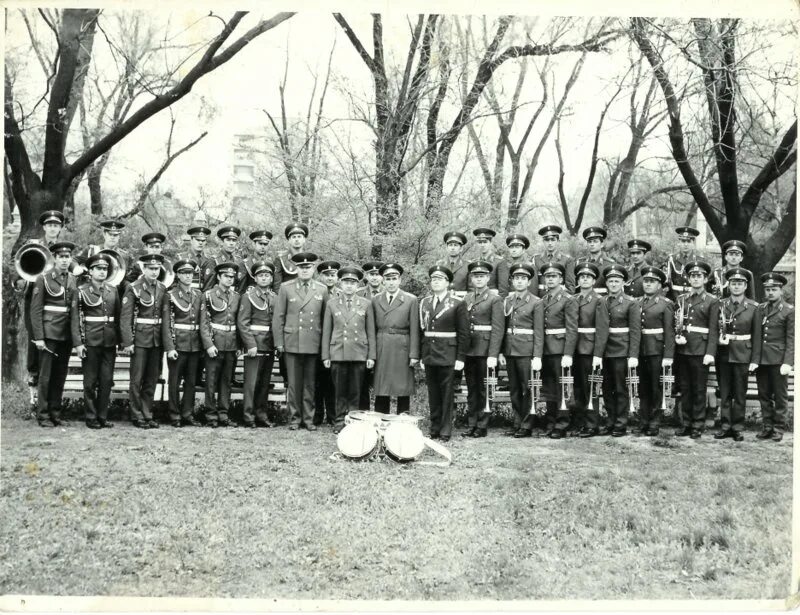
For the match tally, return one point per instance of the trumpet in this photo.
(567, 381)
(681, 315)
(536, 388)
(32, 260)
(724, 325)
(667, 380)
(595, 385)
(491, 388)
(633, 386)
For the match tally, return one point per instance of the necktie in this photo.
(305, 288)
(391, 298)
(435, 304)
(349, 304)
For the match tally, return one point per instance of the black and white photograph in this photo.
(359, 305)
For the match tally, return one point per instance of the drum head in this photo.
(364, 416)
(403, 441)
(357, 440)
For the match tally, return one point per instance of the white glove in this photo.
(491, 362)
(172, 355)
(708, 359)
(680, 340)
(536, 364)
(502, 360)
(212, 352)
(251, 352)
(566, 361)
(633, 362)
(597, 361)
(752, 367)
(786, 369)
(666, 362)
(458, 366)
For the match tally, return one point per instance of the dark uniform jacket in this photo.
(126, 259)
(285, 270)
(247, 280)
(95, 316)
(742, 322)
(256, 308)
(677, 283)
(658, 312)
(204, 274)
(718, 285)
(623, 314)
(460, 272)
(537, 283)
(50, 304)
(180, 320)
(592, 323)
(634, 286)
(602, 261)
(297, 319)
(224, 257)
(524, 322)
(532, 282)
(348, 334)
(135, 270)
(777, 334)
(486, 324)
(561, 319)
(498, 278)
(445, 333)
(218, 319)
(700, 323)
(140, 316)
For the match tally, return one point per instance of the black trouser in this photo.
(651, 392)
(732, 379)
(556, 417)
(324, 395)
(615, 392)
(184, 368)
(219, 375)
(145, 366)
(475, 375)
(773, 396)
(678, 417)
(440, 381)
(32, 364)
(257, 376)
(301, 370)
(519, 389)
(52, 375)
(692, 378)
(582, 416)
(98, 376)
(348, 377)
(363, 399)
(382, 403)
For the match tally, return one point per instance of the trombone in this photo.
(633, 386)
(536, 388)
(667, 380)
(567, 381)
(491, 388)
(595, 386)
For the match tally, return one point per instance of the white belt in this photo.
(259, 327)
(98, 318)
(148, 321)
(652, 331)
(184, 327)
(55, 308)
(481, 327)
(222, 327)
(601, 291)
(693, 329)
(459, 294)
(676, 287)
(740, 338)
(195, 285)
(554, 331)
(541, 286)
(587, 330)
(515, 330)
(440, 333)
(618, 329)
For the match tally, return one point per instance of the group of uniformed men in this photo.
(541, 317)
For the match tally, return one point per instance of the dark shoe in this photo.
(106, 424)
(59, 422)
(294, 427)
(738, 436)
(695, 435)
(777, 436)
(765, 434)
(618, 433)
(479, 433)
(433, 436)
(45, 423)
(723, 433)
(651, 432)
(175, 423)
(557, 434)
(93, 425)
(212, 424)
(682, 433)
(263, 424)
(249, 425)
(337, 429)
(469, 433)
(139, 424)
(224, 423)
(605, 431)
(523, 433)
(510, 432)
(444, 438)
(190, 423)
(153, 424)
(311, 427)
(588, 433)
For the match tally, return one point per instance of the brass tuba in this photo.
(32, 260)
(166, 276)
(116, 269)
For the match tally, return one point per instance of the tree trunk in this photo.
(93, 177)
(12, 321)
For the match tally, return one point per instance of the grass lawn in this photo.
(266, 514)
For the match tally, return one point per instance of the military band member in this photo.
(324, 391)
(140, 330)
(551, 236)
(256, 308)
(218, 334)
(153, 244)
(204, 274)
(374, 279)
(112, 231)
(697, 316)
(595, 237)
(180, 332)
(454, 244)
(590, 346)
(396, 316)
(498, 280)
(51, 299)
(296, 234)
(348, 342)
(443, 347)
(637, 249)
(560, 337)
(523, 345)
(676, 281)
(733, 252)
(260, 241)
(229, 238)
(739, 341)
(52, 223)
(94, 320)
(486, 327)
(657, 348)
(776, 356)
(517, 245)
(297, 328)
